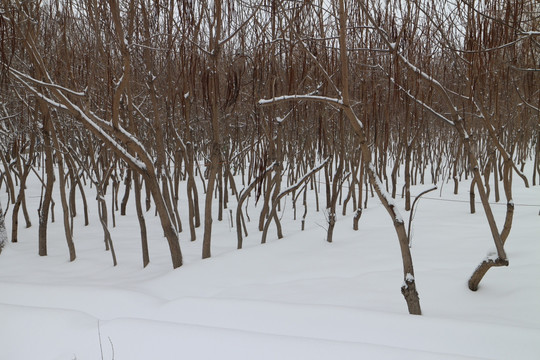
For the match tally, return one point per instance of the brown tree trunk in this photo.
(492, 260)
(47, 197)
(9, 180)
(142, 222)
(409, 286)
(472, 196)
(241, 198)
(215, 152)
(63, 198)
(3, 232)
(24, 171)
(125, 198)
(207, 236)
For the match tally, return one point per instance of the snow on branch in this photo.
(275, 100)
(385, 196)
(9, 117)
(418, 71)
(39, 94)
(45, 84)
(302, 180)
(423, 104)
(78, 112)
(530, 33)
(243, 193)
(122, 152)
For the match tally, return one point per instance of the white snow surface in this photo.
(294, 298)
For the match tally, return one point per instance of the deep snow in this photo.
(294, 298)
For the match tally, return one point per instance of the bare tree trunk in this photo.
(102, 212)
(266, 200)
(407, 171)
(472, 196)
(142, 222)
(21, 196)
(273, 213)
(356, 218)
(85, 204)
(3, 232)
(215, 151)
(125, 198)
(336, 182)
(454, 176)
(409, 285)
(46, 203)
(242, 197)
(9, 180)
(395, 169)
(492, 260)
(63, 198)
(495, 177)
(207, 236)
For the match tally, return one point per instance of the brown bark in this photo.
(63, 198)
(49, 170)
(273, 212)
(142, 222)
(125, 198)
(472, 196)
(3, 232)
(9, 180)
(244, 193)
(24, 171)
(482, 269)
(409, 287)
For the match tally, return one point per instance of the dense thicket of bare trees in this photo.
(257, 98)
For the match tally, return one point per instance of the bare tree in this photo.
(343, 102)
(151, 94)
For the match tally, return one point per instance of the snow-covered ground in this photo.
(295, 298)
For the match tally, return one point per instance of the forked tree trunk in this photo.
(9, 180)
(21, 196)
(266, 202)
(244, 193)
(273, 211)
(194, 220)
(193, 186)
(102, 213)
(493, 260)
(62, 188)
(85, 203)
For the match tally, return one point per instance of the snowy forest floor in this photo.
(294, 298)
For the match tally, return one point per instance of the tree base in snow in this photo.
(482, 269)
(411, 297)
